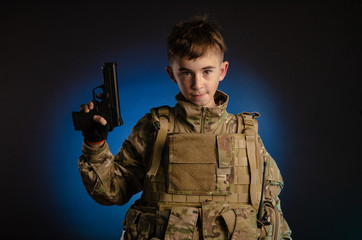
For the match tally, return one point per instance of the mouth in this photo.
(198, 96)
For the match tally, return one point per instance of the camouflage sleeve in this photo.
(273, 187)
(115, 179)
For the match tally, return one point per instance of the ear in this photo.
(223, 70)
(170, 73)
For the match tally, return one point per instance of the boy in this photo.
(202, 170)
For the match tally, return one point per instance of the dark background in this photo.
(296, 62)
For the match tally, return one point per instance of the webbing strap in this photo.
(160, 141)
(182, 198)
(250, 143)
(250, 137)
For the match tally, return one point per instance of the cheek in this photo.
(182, 85)
(214, 83)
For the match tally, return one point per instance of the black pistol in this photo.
(106, 104)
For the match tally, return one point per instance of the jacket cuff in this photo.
(93, 154)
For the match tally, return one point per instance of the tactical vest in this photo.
(195, 167)
(203, 176)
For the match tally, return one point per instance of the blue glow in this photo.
(140, 90)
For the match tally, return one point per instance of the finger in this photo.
(91, 105)
(100, 119)
(88, 107)
(85, 108)
(82, 107)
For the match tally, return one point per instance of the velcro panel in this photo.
(192, 163)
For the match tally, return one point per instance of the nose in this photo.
(197, 82)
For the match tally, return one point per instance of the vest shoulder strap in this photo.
(163, 123)
(248, 125)
(247, 122)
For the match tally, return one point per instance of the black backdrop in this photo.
(307, 53)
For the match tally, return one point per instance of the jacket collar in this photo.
(202, 119)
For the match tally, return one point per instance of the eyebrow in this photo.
(204, 68)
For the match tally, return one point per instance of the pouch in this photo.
(271, 222)
(161, 223)
(138, 224)
(241, 223)
(192, 163)
(146, 225)
(182, 223)
(130, 224)
(212, 225)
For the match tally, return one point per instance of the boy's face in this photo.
(199, 78)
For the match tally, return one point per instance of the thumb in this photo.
(100, 119)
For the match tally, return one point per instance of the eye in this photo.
(208, 72)
(186, 73)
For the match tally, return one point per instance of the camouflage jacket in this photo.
(115, 179)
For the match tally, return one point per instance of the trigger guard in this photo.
(95, 97)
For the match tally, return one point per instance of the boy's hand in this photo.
(87, 108)
(96, 134)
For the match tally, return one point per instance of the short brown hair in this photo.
(192, 38)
